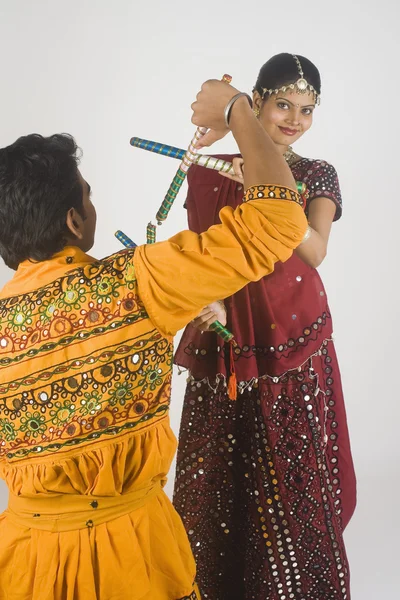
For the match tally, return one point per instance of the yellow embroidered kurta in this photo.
(85, 375)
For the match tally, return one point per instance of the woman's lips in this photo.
(287, 131)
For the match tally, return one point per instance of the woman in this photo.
(265, 484)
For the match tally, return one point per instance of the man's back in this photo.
(85, 387)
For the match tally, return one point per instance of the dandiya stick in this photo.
(124, 239)
(202, 160)
(209, 162)
(178, 180)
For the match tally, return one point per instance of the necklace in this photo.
(290, 156)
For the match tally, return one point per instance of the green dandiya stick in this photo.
(223, 332)
(178, 180)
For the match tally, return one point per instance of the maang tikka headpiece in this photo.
(302, 86)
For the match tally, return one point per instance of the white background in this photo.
(105, 71)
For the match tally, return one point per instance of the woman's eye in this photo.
(283, 105)
(307, 111)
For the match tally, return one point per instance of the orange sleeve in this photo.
(179, 277)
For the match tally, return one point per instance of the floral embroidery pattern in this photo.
(7, 430)
(120, 380)
(33, 424)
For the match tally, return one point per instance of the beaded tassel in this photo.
(232, 383)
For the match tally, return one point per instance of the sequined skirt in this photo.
(265, 486)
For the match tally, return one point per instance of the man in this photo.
(86, 359)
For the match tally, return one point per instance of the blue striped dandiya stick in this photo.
(158, 148)
(124, 239)
(209, 162)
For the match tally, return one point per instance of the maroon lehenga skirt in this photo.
(265, 484)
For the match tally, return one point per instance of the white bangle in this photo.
(228, 107)
(306, 235)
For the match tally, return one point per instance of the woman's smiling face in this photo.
(286, 116)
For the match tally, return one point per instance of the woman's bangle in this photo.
(306, 235)
(228, 107)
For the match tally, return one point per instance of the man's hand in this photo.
(208, 110)
(215, 311)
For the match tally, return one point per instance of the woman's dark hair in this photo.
(282, 70)
(39, 183)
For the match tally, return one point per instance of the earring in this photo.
(256, 111)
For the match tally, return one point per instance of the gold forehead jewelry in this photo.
(302, 86)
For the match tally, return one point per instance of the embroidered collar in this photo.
(32, 275)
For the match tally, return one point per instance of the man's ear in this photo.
(74, 223)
